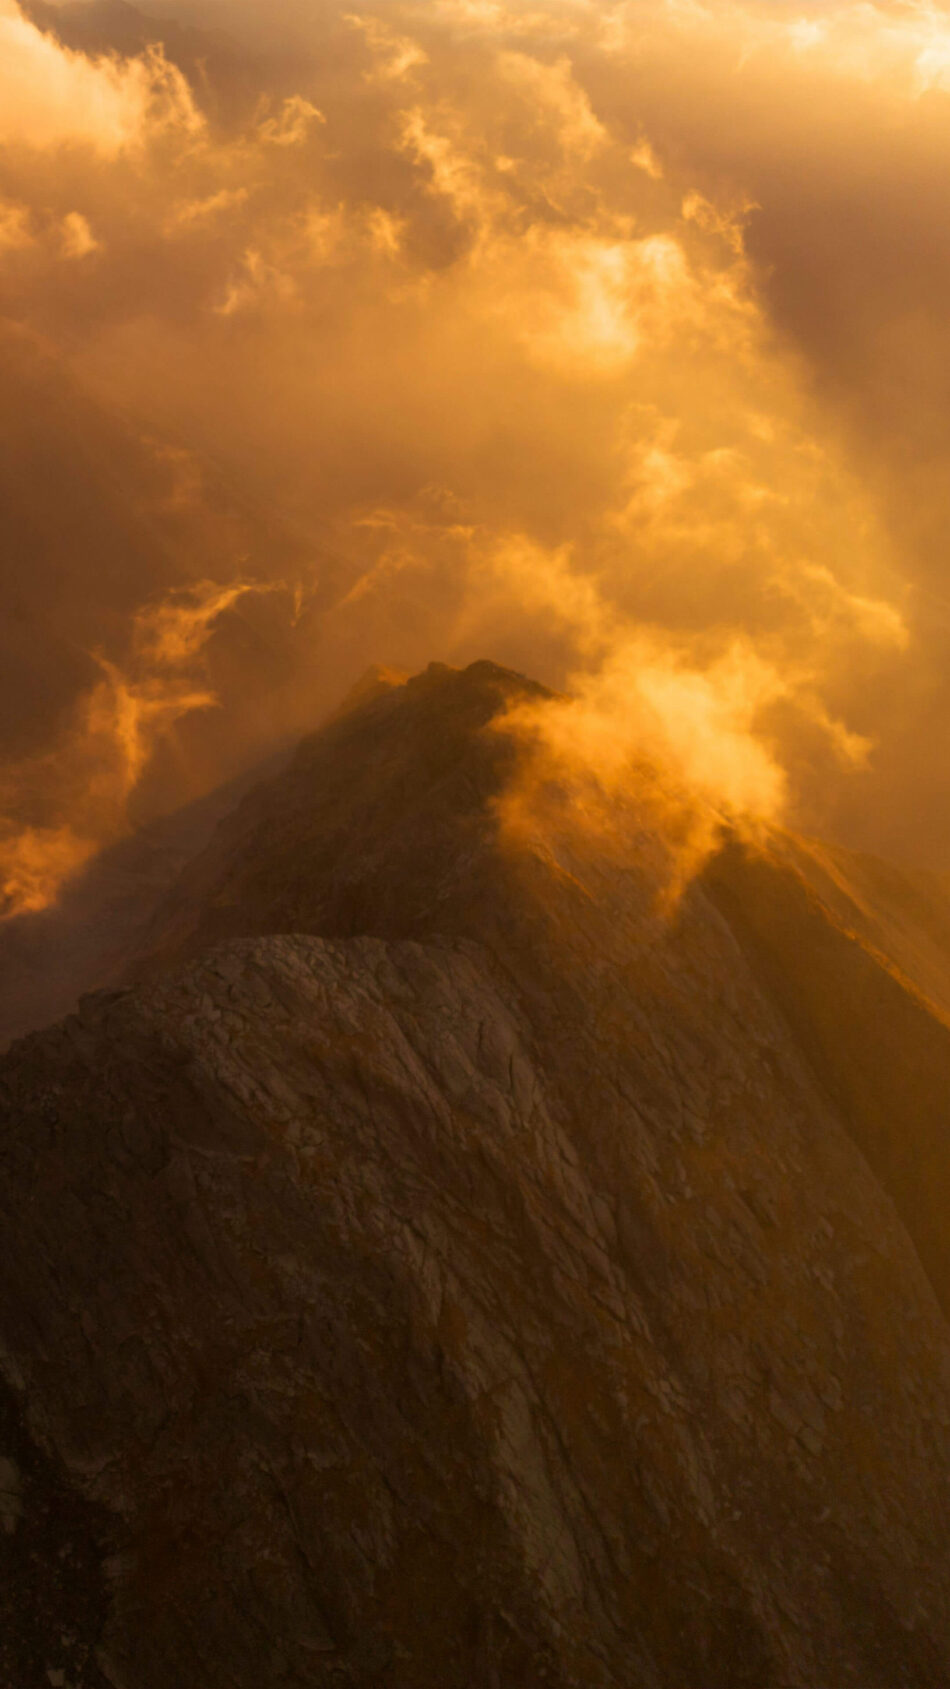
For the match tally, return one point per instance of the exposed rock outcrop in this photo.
(444, 1269)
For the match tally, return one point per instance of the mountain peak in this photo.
(445, 1268)
(384, 822)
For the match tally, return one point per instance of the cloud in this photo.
(555, 91)
(91, 771)
(50, 96)
(191, 214)
(76, 237)
(394, 56)
(292, 125)
(15, 227)
(604, 339)
(683, 720)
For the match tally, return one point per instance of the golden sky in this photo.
(609, 340)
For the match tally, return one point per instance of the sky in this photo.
(604, 338)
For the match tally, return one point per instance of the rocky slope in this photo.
(51, 957)
(445, 1268)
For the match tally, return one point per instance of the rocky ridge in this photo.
(444, 1268)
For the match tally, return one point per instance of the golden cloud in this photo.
(50, 96)
(523, 340)
(91, 772)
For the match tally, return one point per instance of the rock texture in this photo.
(445, 1269)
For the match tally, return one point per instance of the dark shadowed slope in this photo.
(384, 823)
(857, 956)
(485, 1283)
(50, 957)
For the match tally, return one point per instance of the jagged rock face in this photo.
(486, 1290)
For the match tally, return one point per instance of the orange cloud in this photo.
(76, 237)
(463, 296)
(50, 96)
(91, 773)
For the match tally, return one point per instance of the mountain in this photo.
(51, 957)
(445, 1266)
(856, 954)
(101, 920)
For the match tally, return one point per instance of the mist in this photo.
(604, 340)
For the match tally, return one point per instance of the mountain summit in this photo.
(442, 1268)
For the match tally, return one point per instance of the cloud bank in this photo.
(604, 339)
